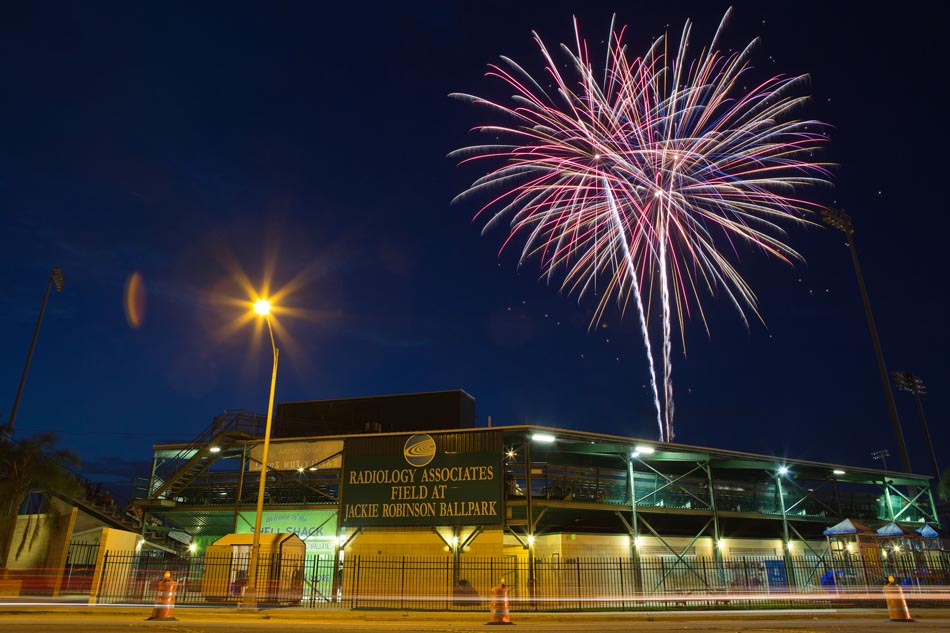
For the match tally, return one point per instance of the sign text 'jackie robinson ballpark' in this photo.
(422, 486)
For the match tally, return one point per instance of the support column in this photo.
(786, 549)
(837, 497)
(456, 549)
(530, 515)
(889, 508)
(717, 551)
(933, 508)
(240, 489)
(635, 569)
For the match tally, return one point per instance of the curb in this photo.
(329, 615)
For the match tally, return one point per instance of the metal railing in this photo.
(548, 584)
(283, 580)
(611, 487)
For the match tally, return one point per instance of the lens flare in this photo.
(135, 301)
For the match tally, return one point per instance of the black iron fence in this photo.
(551, 584)
(80, 568)
(580, 584)
(217, 580)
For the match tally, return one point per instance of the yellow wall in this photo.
(570, 546)
(422, 542)
(114, 541)
(52, 536)
(33, 554)
(415, 589)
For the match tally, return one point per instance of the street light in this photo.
(249, 601)
(840, 220)
(55, 279)
(907, 381)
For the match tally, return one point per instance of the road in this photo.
(797, 622)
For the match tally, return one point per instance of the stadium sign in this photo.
(421, 486)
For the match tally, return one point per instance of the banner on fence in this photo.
(422, 486)
(313, 455)
(316, 528)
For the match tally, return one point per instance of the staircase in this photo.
(227, 430)
(157, 536)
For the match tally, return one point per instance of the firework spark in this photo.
(642, 180)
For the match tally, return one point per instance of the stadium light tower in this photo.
(881, 455)
(907, 381)
(56, 280)
(840, 220)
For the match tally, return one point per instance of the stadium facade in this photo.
(411, 475)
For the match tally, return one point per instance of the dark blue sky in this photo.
(171, 138)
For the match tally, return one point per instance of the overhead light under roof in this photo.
(838, 471)
(645, 450)
(544, 438)
(215, 449)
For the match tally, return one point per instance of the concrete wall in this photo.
(33, 554)
(116, 542)
(47, 543)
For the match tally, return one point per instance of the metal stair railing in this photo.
(112, 517)
(227, 428)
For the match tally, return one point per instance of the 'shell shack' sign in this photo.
(422, 486)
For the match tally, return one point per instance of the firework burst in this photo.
(638, 183)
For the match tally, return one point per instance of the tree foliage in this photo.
(943, 488)
(31, 465)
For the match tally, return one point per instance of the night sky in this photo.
(187, 142)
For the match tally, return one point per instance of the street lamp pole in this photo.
(249, 601)
(55, 279)
(842, 221)
(907, 381)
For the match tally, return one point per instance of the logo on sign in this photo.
(419, 449)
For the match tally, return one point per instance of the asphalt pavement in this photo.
(129, 619)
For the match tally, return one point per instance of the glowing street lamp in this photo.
(262, 308)
(55, 279)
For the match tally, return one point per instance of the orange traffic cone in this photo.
(896, 605)
(165, 599)
(498, 607)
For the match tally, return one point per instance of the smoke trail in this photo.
(639, 300)
(667, 364)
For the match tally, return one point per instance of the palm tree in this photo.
(30, 465)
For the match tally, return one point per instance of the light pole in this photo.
(842, 221)
(882, 455)
(55, 279)
(907, 381)
(249, 601)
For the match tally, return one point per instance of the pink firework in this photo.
(643, 180)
